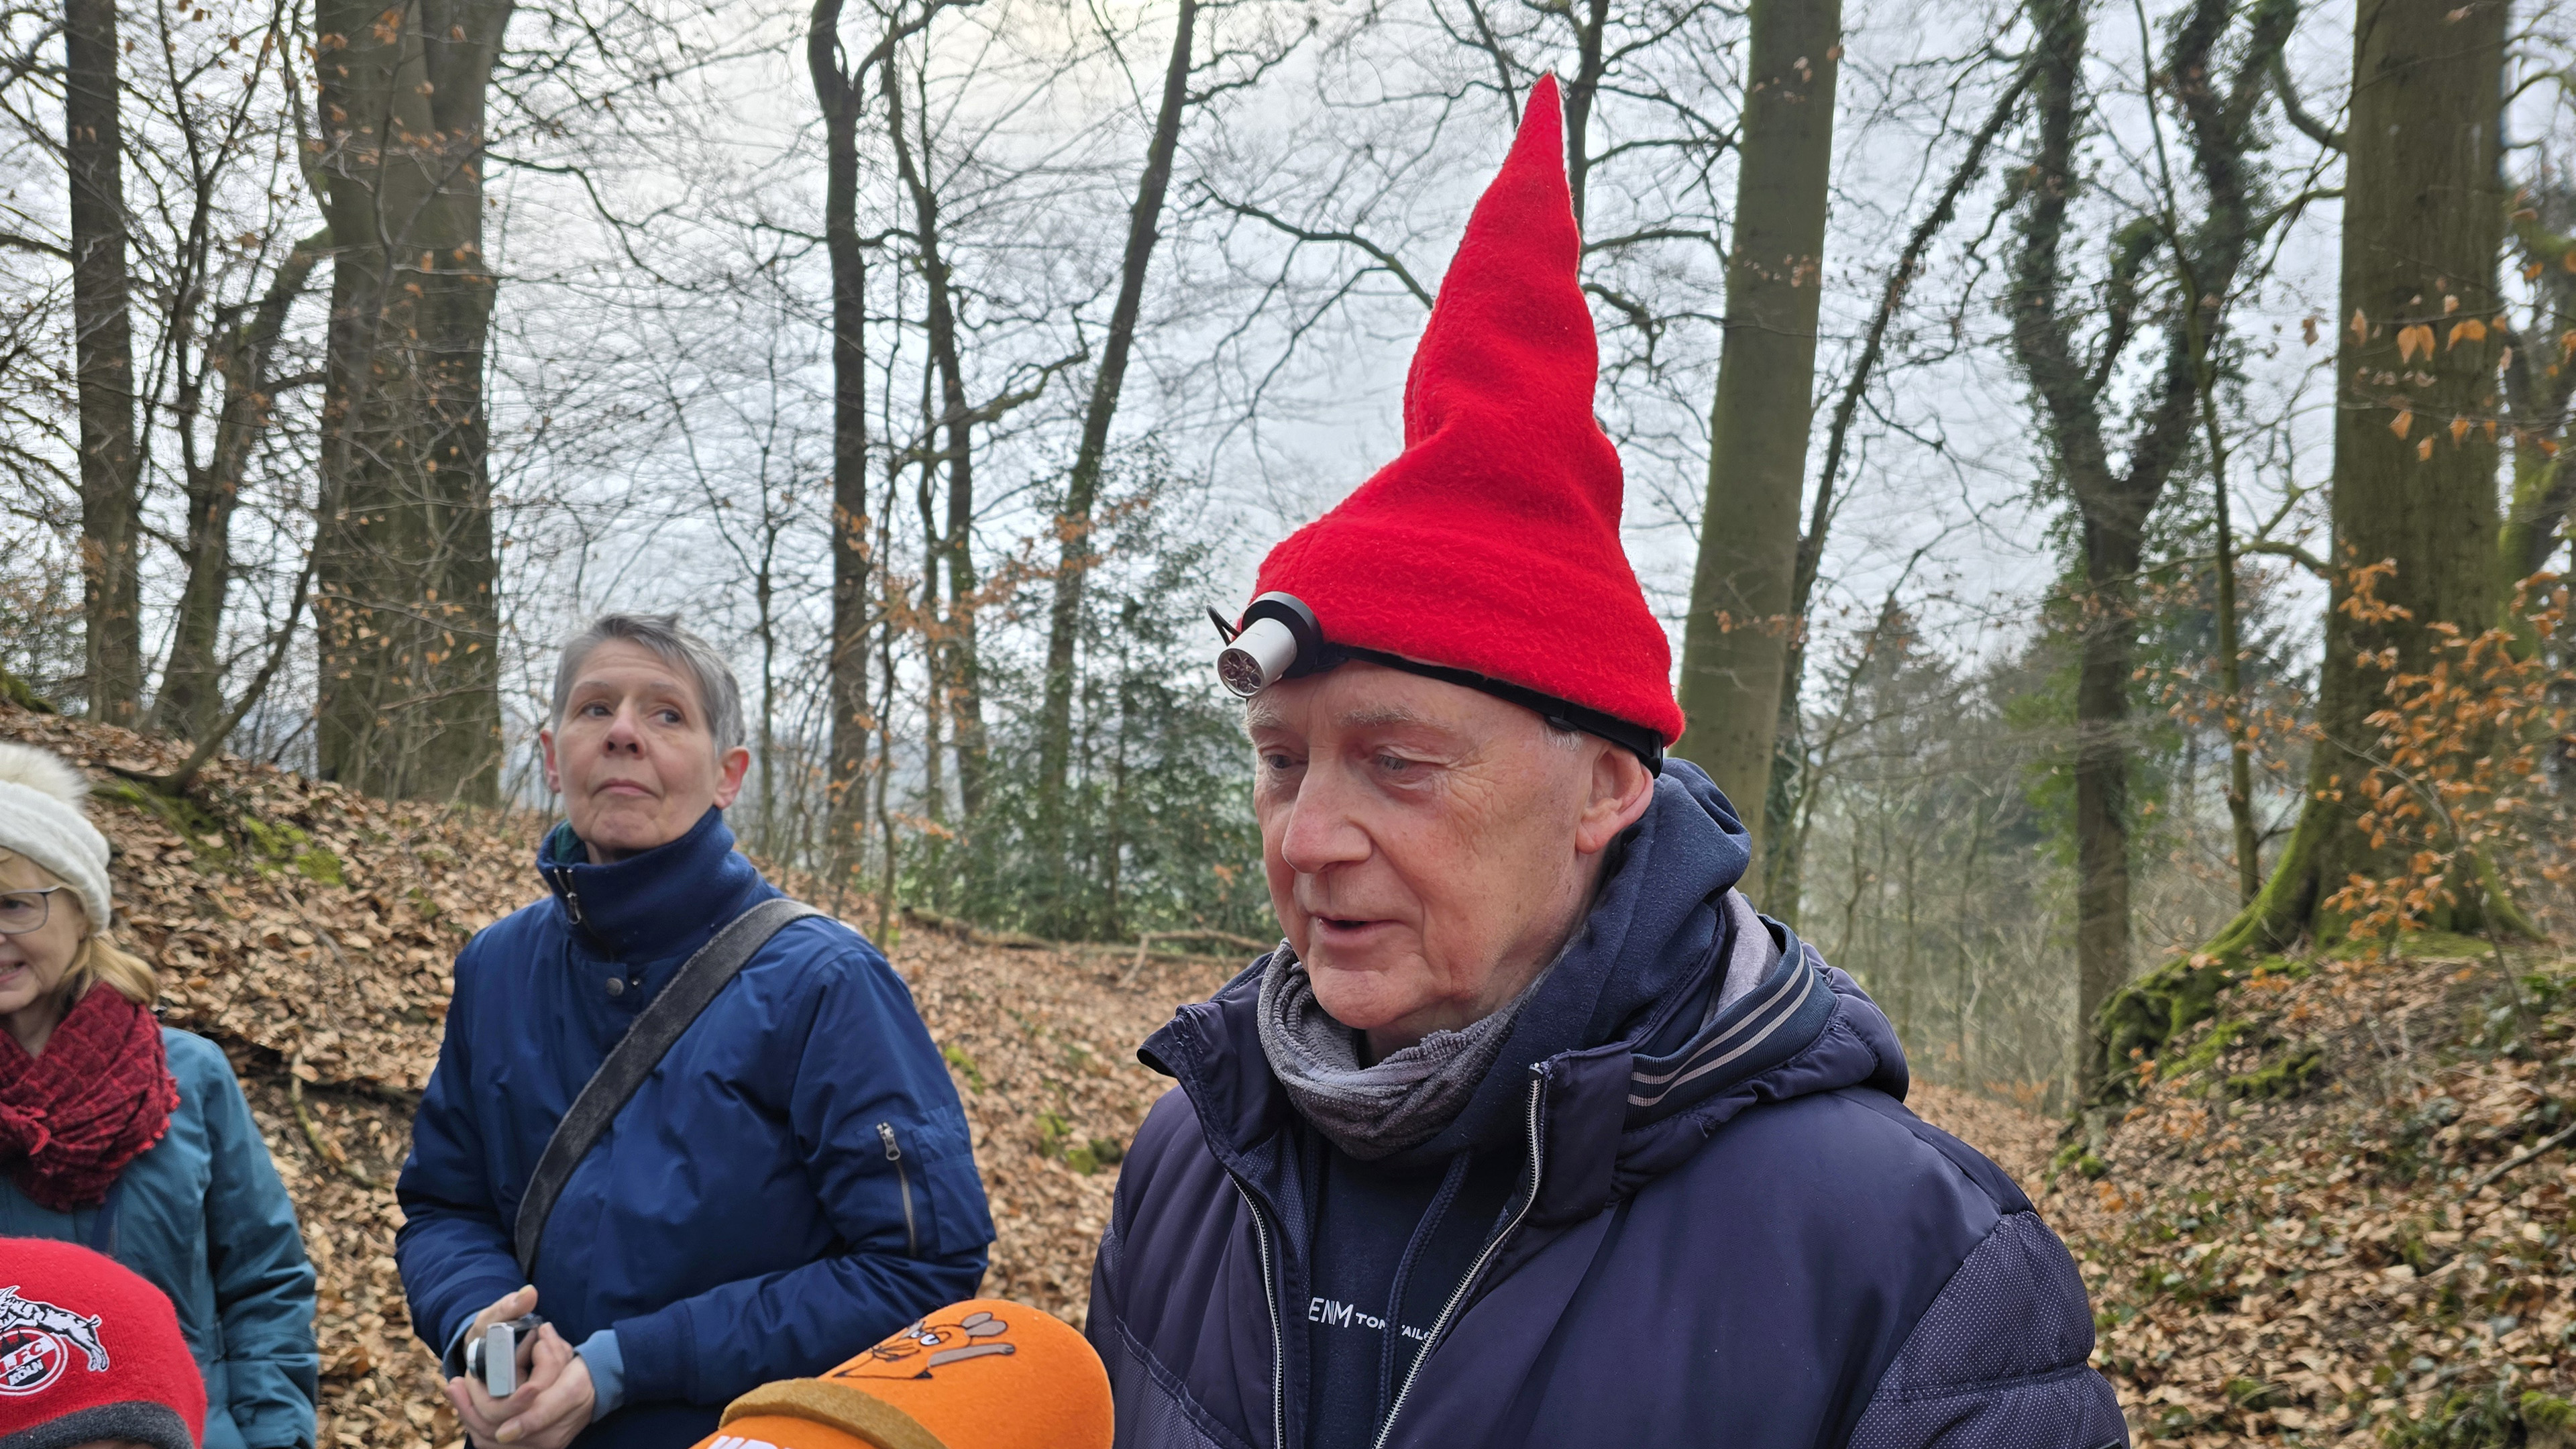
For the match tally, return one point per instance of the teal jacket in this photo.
(204, 1217)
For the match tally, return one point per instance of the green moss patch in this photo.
(2291, 1074)
(239, 841)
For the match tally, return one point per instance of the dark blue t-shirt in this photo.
(1391, 1245)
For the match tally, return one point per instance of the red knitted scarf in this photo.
(94, 1101)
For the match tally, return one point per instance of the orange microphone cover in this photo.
(983, 1374)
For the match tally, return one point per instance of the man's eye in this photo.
(1279, 764)
(1394, 764)
(594, 709)
(669, 716)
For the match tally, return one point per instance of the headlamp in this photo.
(1278, 635)
(1280, 638)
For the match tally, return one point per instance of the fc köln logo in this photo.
(37, 1341)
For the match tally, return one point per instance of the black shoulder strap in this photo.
(637, 1054)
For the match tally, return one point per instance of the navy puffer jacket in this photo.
(1728, 1230)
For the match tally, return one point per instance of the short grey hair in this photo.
(718, 692)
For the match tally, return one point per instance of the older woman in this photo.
(131, 1138)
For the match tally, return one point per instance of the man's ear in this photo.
(1621, 789)
(546, 746)
(729, 774)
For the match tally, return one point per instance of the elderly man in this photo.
(791, 1178)
(1533, 1133)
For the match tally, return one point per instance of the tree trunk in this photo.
(2424, 216)
(103, 363)
(852, 723)
(1082, 487)
(2231, 665)
(2070, 387)
(409, 702)
(2104, 661)
(964, 700)
(1736, 641)
(190, 702)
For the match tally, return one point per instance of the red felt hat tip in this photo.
(1492, 542)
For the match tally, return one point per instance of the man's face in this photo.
(633, 756)
(1429, 847)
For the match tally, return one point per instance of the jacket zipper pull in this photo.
(903, 1184)
(572, 898)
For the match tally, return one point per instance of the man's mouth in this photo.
(1345, 925)
(623, 787)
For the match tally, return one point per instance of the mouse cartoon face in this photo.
(930, 1344)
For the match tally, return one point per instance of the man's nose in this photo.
(1321, 830)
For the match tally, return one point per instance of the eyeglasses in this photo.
(24, 911)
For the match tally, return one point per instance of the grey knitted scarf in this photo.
(1374, 1111)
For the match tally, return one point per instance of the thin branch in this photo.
(1900, 280)
(33, 244)
(2315, 130)
(2290, 551)
(1384, 258)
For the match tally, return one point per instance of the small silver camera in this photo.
(499, 1358)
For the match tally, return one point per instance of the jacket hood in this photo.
(666, 901)
(1635, 1063)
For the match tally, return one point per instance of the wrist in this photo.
(451, 1360)
(605, 1361)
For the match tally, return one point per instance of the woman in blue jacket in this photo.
(794, 1181)
(131, 1138)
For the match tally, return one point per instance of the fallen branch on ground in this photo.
(2518, 1159)
(323, 1147)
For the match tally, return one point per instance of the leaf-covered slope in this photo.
(2304, 1230)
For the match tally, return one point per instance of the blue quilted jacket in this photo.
(1728, 1230)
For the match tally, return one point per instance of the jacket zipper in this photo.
(1270, 1299)
(1458, 1295)
(903, 1184)
(572, 898)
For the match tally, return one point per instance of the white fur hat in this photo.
(41, 819)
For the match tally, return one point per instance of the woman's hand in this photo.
(553, 1402)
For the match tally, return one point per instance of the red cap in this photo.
(1492, 543)
(90, 1351)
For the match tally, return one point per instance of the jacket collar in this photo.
(1632, 1068)
(665, 902)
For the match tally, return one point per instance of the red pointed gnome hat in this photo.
(1492, 543)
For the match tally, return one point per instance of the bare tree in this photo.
(243, 355)
(2071, 385)
(960, 668)
(409, 700)
(103, 342)
(2415, 449)
(1082, 485)
(1785, 806)
(1736, 640)
(840, 89)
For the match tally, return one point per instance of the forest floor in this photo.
(2289, 1237)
